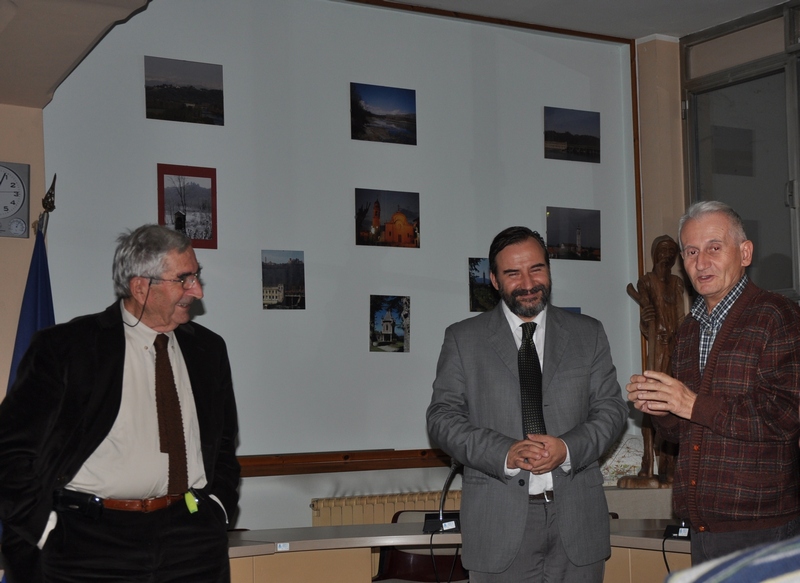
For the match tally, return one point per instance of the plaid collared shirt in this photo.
(711, 323)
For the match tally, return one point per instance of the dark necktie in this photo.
(170, 423)
(530, 383)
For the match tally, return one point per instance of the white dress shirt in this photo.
(129, 463)
(538, 483)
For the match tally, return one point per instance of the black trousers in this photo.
(167, 546)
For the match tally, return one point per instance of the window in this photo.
(742, 138)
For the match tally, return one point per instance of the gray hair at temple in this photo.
(141, 252)
(707, 207)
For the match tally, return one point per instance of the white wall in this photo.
(286, 174)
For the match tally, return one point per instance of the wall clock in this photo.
(14, 199)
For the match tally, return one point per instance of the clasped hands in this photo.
(537, 454)
(658, 394)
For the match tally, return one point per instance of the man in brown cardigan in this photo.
(732, 400)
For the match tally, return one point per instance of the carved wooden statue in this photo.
(659, 294)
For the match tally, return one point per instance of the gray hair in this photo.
(141, 252)
(707, 207)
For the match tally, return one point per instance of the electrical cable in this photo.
(433, 562)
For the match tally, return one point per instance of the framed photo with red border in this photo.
(187, 202)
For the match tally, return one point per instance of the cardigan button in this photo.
(693, 482)
(696, 447)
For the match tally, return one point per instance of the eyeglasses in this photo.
(187, 281)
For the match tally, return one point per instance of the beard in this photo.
(526, 310)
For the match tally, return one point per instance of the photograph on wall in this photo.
(383, 114)
(571, 134)
(387, 218)
(283, 280)
(389, 323)
(185, 91)
(187, 202)
(573, 234)
(482, 295)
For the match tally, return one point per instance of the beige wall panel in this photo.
(21, 141)
(660, 140)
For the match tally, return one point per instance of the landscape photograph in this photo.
(482, 295)
(185, 91)
(383, 114)
(187, 202)
(571, 134)
(283, 280)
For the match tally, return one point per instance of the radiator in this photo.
(376, 509)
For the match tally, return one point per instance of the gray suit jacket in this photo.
(475, 416)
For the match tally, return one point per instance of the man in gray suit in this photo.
(533, 506)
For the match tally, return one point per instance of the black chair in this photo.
(398, 564)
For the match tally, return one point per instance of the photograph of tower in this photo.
(573, 233)
(389, 323)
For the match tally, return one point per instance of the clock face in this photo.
(14, 199)
(12, 192)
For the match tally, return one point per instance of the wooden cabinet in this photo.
(343, 554)
(642, 566)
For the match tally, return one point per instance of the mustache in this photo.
(524, 292)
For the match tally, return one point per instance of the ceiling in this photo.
(42, 41)
(630, 19)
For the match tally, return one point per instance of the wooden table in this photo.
(342, 554)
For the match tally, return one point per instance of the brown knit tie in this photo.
(170, 423)
(530, 382)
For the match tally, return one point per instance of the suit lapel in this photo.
(555, 344)
(501, 339)
(200, 377)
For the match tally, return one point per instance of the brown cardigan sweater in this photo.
(738, 466)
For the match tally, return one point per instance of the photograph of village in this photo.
(184, 91)
(383, 114)
(387, 218)
(283, 280)
(482, 295)
(389, 323)
(573, 234)
(187, 202)
(571, 134)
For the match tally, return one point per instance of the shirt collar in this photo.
(515, 321)
(720, 311)
(137, 330)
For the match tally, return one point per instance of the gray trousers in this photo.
(541, 558)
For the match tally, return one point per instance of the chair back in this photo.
(420, 563)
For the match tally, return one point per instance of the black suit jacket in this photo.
(65, 399)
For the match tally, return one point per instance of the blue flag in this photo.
(37, 305)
